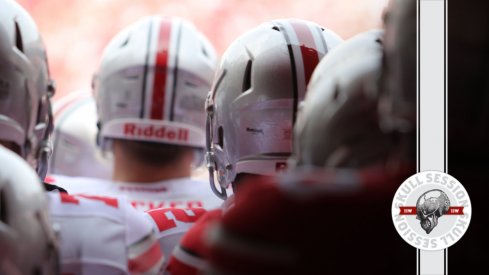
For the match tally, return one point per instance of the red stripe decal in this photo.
(310, 57)
(147, 260)
(161, 66)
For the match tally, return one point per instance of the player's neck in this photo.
(128, 170)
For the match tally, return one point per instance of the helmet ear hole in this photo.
(247, 77)
(220, 136)
(3, 208)
(206, 54)
(336, 92)
(126, 41)
(18, 38)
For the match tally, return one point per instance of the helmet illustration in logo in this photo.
(430, 206)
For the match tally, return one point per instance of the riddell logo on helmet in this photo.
(162, 132)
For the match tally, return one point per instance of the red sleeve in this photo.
(191, 255)
(252, 236)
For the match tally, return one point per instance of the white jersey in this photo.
(171, 224)
(102, 235)
(174, 193)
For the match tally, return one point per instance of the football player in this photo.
(330, 213)
(251, 110)
(75, 150)
(98, 235)
(150, 93)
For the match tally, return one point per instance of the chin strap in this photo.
(209, 155)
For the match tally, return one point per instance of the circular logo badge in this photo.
(431, 210)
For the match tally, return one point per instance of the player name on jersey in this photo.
(144, 205)
(175, 193)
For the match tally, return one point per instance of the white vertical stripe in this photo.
(296, 50)
(321, 40)
(446, 91)
(155, 31)
(431, 106)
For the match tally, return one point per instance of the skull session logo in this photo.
(431, 210)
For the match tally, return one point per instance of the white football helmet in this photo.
(252, 105)
(28, 243)
(337, 125)
(152, 83)
(75, 150)
(25, 87)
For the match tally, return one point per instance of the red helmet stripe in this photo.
(161, 68)
(310, 57)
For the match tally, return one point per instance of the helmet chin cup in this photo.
(210, 158)
(211, 168)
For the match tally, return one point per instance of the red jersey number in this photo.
(165, 222)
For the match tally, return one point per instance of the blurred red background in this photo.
(76, 31)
